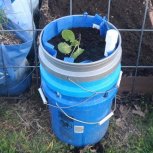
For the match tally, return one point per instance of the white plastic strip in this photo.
(42, 96)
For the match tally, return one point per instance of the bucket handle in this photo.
(93, 95)
(84, 122)
(102, 121)
(41, 92)
(66, 107)
(97, 92)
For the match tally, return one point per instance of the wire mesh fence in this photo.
(34, 61)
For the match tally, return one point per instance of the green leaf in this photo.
(68, 35)
(77, 53)
(64, 48)
(75, 43)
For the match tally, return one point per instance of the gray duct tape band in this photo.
(78, 74)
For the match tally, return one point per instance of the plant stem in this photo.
(76, 45)
(73, 50)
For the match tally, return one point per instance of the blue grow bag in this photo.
(15, 80)
(17, 86)
(76, 108)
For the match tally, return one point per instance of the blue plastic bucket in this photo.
(79, 95)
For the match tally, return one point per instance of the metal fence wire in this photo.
(35, 64)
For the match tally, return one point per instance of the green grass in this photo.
(19, 142)
(143, 144)
(17, 137)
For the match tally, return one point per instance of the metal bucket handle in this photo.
(102, 121)
(87, 90)
(61, 109)
(93, 95)
(81, 87)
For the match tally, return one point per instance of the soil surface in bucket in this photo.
(91, 42)
(123, 14)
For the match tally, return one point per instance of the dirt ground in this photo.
(25, 127)
(123, 14)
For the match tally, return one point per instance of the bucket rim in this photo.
(108, 58)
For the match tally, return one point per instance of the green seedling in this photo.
(71, 46)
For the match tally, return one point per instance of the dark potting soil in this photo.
(91, 42)
(8, 38)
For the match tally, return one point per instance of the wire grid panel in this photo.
(35, 65)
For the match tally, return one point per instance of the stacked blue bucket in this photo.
(79, 95)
